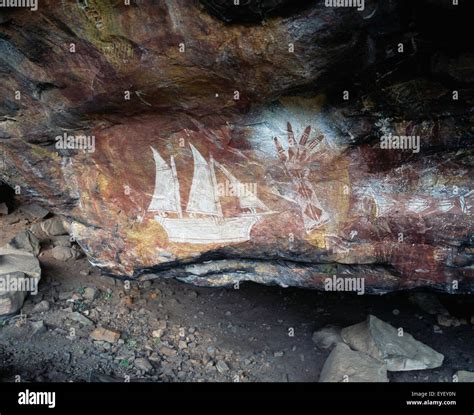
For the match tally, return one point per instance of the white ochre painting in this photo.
(203, 221)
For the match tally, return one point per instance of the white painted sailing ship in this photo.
(204, 221)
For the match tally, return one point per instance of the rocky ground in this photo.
(82, 326)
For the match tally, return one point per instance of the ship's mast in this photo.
(216, 193)
(176, 188)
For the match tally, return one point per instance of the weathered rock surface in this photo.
(27, 241)
(20, 273)
(3, 209)
(398, 349)
(34, 211)
(465, 376)
(429, 303)
(54, 227)
(327, 337)
(41, 307)
(104, 334)
(13, 260)
(64, 253)
(215, 144)
(11, 300)
(346, 365)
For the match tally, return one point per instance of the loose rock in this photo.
(80, 318)
(143, 364)
(41, 307)
(62, 240)
(222, 367)
(20, 273)
(3, 209)
(103, 334)
(27, 241)
(327, 337)
(11, 300)
(91, 293)
(63, 253)
(54, 227)
(13, 260)
(448, 321)
(38, 327)
(382, 341)
(465, 376)
(346, 365)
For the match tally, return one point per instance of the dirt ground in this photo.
(171, 331)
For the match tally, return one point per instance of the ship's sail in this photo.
(166, 194)
(202, 197)
(247, 199)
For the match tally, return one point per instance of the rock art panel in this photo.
(181, 139)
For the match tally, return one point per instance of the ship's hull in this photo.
(208, 230)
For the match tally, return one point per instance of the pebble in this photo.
(41, 307)
(437, 329)
(448, 321)
(80, 318)
(143, 364)
(65, 295)
(38, 327)
(211, 350)
(221, 366)
(91, 293)
(156, 334)
(108, 335)
(146, 284)
(166, 351)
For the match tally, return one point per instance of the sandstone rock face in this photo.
(215, 145)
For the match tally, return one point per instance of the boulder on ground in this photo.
(346, 365)
(13, 260)
(327, 337)
(398, 349)
(63, 253)
(54, 226)
(62, 240)
(465, 376)
(20, 273)
(27, 241)
(12, 296)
